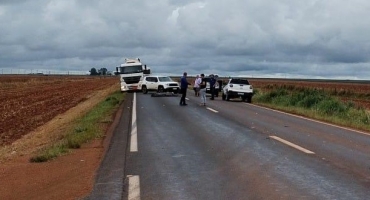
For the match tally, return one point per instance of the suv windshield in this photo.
(130, 69)
(239, 81)
(165, 79)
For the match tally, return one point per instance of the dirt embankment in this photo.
(38, 119)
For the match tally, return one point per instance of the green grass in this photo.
(315, 103)
(87, 128)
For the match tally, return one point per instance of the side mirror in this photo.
(147, 71)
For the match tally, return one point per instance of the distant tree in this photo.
(93, 72)
(103, 71)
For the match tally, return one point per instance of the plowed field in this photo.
(27, 102)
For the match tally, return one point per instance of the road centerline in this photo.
(292, 145)
(213, 110)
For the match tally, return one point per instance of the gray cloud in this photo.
(315, 39)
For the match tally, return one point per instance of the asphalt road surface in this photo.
(233, 150)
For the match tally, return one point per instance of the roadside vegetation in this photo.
(89, 127)
(314, 103)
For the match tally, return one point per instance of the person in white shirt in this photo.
(197, 82)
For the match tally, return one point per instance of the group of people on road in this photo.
(200, 85)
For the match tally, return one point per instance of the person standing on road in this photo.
(202, 91)
(184, 87)
(197, 81)
(212, 84)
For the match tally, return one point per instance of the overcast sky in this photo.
(257, 38)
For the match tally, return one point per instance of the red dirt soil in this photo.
(28, 102)
(36, 110)
(67, 177)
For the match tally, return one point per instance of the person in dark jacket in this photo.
(184, 87)
(212, 84)
(202, 91)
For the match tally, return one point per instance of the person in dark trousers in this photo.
(212, 84)
(202, 91)
(184, 87)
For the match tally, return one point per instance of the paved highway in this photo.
(235, 150)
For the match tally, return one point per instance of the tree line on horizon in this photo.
(102, 71)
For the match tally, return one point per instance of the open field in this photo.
(357, 92)
(27, 102)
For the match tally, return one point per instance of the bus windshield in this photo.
(130, 69)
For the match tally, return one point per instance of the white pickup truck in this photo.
(238, 88)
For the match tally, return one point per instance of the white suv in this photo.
(159, 84)
(238, 88)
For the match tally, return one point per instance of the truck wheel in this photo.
(249, 100)
(223, 96)
(243, 99)
(160, 89)
(144, 89)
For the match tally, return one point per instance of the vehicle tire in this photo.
(160, 89)
(249, 100)
(243, 99)
(144, 89)
(223, 96)
(176, 91)
(227, 97)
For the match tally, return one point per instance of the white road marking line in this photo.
(292, 145)
(133, 143)
(313, 120)
(215, 111)
(133, 187)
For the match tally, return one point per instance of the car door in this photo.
(152, 83)
(226, 88)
